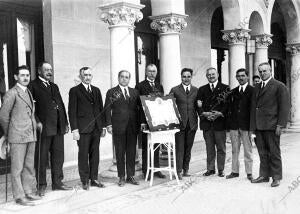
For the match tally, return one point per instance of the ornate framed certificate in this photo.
(161, 112)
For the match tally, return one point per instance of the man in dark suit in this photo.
(121, 110)
(269, 114)
(17, 118)
(238, 121)
(212, 111)
(87, 122)
(51, 111)
(152, 88)
(186, 101)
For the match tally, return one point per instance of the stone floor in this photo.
(196, 194)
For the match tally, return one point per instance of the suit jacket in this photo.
(86, 111)
(213, 101)
(239, 106)
(145, 88)
(50, 108)
(270, 106)
(187, 105)
(121, 113)
(17, 116)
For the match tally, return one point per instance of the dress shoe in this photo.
(85, 186)
(131, 180)
(275, 183)
(61, 187)
(41, 191)
(159, 175)
(221, 174)
(260, 179)
(95, 183)
(209, 172)
(232, 175)
(249, 177)
(179, 176)
(24, 202)
(121, 182)
(31, 197)
(186, 173)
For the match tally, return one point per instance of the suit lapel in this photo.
(42, 85)
(84, 91)
(261, 92)
(22, 95)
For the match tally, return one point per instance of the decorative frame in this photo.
(161, 112)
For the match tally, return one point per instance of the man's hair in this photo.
(187, 70)
(83, 69)
(22, 67)
(40, 65)
(211, 68)
(242, 70)
(122, 71)
(265, 63)
(255, 77)
(151, 66)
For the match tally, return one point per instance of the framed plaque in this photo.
(161, 112)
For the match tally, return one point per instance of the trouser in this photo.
(268, 146)
(88, 156)
(184, 140)
(125, 145)
(22, 168)
(54, 145)
(215, 139)
(237, 138)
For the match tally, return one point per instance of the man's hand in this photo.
(217, 114)
(109, 129)
(143, 127)
(39, 126)
(199, 103)
(67, 129)
(103, 133)
(278, 130)
(76, 135)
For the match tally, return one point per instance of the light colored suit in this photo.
(18, 122)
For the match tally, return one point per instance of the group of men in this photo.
(34, 111)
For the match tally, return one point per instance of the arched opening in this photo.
(219, 48)
(276, 52)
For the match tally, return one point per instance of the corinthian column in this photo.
(294, 50)
(121, 18)
(169, 27)
(262, 43)
(237, 47)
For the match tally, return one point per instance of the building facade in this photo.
(111, 35)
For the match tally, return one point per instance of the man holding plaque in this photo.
(151, 88)
(121, 111)
(211, 101)
(186, 96)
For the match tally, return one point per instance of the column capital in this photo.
(293, 48)
(236, 36)
(169, 23)
(263, 40)
(121, 13)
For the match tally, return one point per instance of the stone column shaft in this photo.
(294, 50)
(169, 27)
(237, 49)
(262, 43)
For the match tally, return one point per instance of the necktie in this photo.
(187, 91)
(212, 87)
(263, 85)
(126, 94)
(89, 90)
(46, 84)
(241, 90)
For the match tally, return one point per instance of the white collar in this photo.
(43, 80)
(186, 86)
(243, 86)
(22, 87)
(266, 81)
(215, 84)
(124, 87)
(86, 85)
(152, 81)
